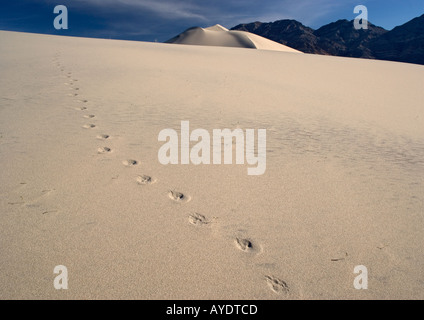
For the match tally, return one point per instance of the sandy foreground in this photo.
(343, 184)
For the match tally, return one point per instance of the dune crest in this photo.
(220, 36)
(217, 27)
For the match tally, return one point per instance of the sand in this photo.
(81, 184)
(220, 36)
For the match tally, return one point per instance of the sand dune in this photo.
(81, 184)
(219, 36)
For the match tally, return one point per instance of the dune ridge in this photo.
(218, 35)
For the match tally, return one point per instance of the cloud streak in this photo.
(135, 17)
(170, 10)
(163, 19)
(307, 11)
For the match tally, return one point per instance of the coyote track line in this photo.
(197, 219)
(130, 163)
(277, 285)
(145, 180)
(178, 197)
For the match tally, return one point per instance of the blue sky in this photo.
(150, 20)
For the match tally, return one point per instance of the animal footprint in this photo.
(89, 126)
(197, 219)
(47, 191)
(178, 196)
(145, 180)
(129, 163)
(89, 116)
(340, 256)
(14, 203)
(277, 285)
(49, 211)
(103, 136)
(104, 150)
(81, 108)
(244, 244)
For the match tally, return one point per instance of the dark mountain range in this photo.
(404, 43)
(288, 32)
(340, 38)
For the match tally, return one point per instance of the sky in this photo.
(160, 20)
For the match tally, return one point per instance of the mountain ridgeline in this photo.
(404, 43)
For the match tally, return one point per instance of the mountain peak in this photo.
(404, 43)
(340, 38)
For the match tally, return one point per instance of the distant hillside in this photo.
(288, 32)
(340, 38)
(404, 43)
